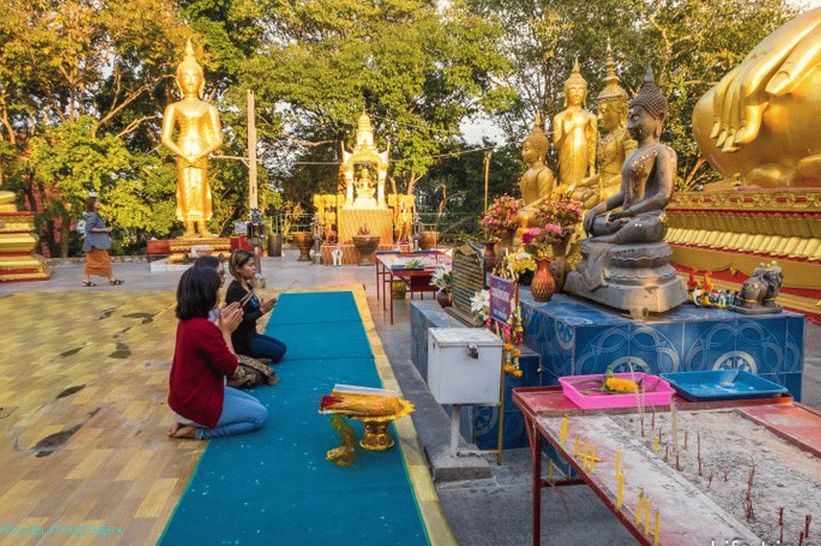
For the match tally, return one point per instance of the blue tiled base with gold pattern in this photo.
(576, 337)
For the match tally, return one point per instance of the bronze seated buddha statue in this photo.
(625, 261)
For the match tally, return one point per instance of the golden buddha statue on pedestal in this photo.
(613, 147)
(537, 183)
(574, 132)
(199, 135)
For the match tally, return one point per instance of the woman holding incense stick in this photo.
(203, 406)
(247, 341)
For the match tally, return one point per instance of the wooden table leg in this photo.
(377, 280)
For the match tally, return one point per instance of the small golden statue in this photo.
(537, 183)
(574, 132)
(199, 135)
(614, 144)
(762, 119)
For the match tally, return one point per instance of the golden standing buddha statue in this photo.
(199, 135)
(537, 183)
(574, 132)
(614, 145)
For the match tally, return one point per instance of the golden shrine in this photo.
(759, 127)
(361, 203)
(18, 261)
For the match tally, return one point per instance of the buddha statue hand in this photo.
(773, 68)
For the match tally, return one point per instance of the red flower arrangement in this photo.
(558, 219)
(500, 217)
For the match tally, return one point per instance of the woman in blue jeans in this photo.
(203, 406)
(247, 341)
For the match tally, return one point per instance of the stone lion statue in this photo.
(758, 293)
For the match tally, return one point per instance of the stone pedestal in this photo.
(636, 278)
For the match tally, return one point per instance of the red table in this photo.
(389, 268)
(797, 424)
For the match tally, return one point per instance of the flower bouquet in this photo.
(500, 219)
(442, 279)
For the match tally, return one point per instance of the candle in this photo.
(565, 422)
(656, 530)
(618, 463)
(647, 516)
(656, 444)
(620, 491)
(592, 458)
(640, 505)
(586, 449)
(576, 448)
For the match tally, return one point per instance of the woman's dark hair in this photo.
(197, 292)
(211, 262)
(238, 259)
(90, 203)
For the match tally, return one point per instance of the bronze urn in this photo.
(366, 245)
(304, 240)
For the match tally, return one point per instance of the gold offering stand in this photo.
(376, 436)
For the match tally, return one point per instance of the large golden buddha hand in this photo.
(774, 68)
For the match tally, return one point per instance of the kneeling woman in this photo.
(203, 405)
(247, 341)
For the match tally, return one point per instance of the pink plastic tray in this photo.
(659, 396)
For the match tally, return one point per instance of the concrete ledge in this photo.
(448, 468)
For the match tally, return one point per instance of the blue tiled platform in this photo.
(574, 336)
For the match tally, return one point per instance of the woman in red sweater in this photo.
(203, 358)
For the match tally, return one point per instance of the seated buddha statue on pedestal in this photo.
(537, 183)
(625, 262)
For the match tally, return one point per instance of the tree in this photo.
(416, 68)
(690, 43)
(80, 80)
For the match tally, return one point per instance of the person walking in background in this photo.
(96, 244)
(247, 341)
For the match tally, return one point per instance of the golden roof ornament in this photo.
(537, 137)
(650, 98)
(364, 130)
(612, 90)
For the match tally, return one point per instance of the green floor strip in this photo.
(274, 486)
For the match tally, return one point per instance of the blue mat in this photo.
(274, 486)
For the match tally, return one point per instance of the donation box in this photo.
(464, 365)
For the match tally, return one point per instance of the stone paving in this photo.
(493, 510)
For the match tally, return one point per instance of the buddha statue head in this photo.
(647, 110)
(612, 101)
(575, 88)
(534, 147)
(190, 76)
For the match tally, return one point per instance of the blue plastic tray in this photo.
(722, 385)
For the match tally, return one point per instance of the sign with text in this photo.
(501, 298)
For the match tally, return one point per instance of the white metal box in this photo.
(464, 365)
